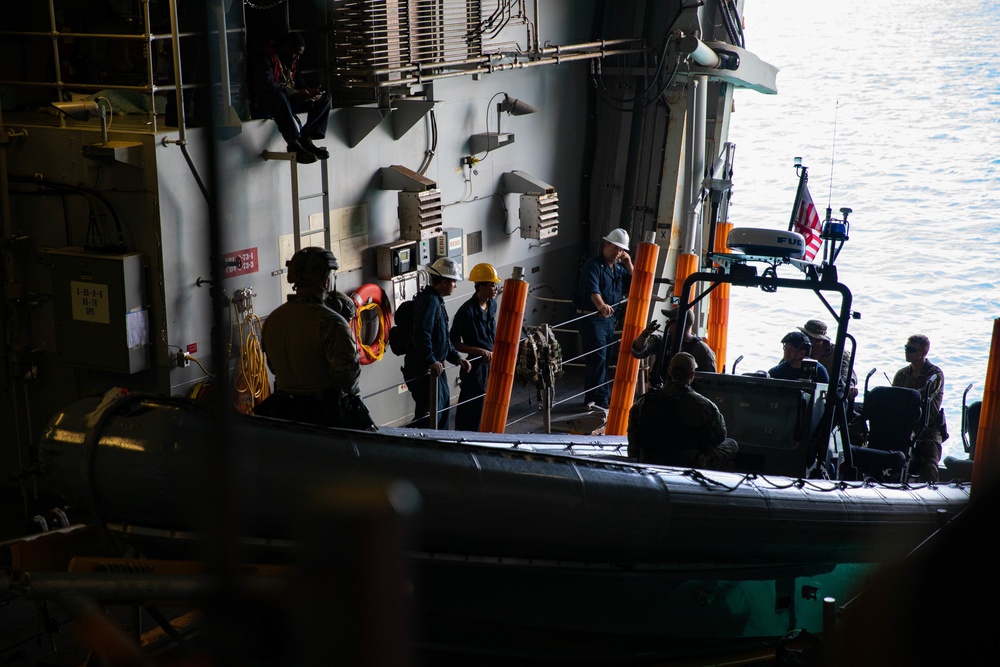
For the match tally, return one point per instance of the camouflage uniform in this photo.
(696, 347)
(312, 354)
(928, 448)
(678, 426)
(826, 360)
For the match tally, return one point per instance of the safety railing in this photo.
(435, 412)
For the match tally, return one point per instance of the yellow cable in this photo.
(253, 366)
(377, 350)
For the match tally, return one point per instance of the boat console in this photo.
(772, 420)
(783, 427)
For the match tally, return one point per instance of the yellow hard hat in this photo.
(483, 273)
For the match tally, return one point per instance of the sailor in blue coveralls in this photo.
(430, 345)
(604, 279)
(473, 333)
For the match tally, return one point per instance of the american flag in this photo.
(807, 222)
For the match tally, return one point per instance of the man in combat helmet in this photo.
(473, 334)
(310, 348)
(430, 346)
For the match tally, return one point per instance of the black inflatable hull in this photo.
(589, 549)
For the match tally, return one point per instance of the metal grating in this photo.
(420, 214)
(539, 214)
(376, 42)
(473, 243)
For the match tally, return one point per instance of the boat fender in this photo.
(767, 242)
(372, 308)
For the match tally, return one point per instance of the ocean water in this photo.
(895, 108)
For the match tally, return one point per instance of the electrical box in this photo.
(426, 249)
(450, 244)
(539, 213)
(102, 319)
(395, 259)
(419, 214)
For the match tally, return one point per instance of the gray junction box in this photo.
(101, 314)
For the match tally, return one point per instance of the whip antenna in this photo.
(833, 156)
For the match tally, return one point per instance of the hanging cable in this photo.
(376, 350)
(251, 379)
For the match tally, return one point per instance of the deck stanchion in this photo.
(501, 379)
(432, 404)
(718, 305)
(636, 311)
(986, 463)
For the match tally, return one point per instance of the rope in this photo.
(252, 363)
(377, 350)
(253, 366)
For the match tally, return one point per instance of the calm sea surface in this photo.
(915, 108)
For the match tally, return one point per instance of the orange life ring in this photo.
(371, 322)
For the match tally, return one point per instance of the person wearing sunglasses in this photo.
(915, 375)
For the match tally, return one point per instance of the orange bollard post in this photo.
(687, 264)
(639, 296)
(501, 379)
(718, 305)
(986, 463)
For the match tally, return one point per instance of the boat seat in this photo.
(962, 468)
(893, 415)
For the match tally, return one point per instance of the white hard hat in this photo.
(618, 237)
(445, 267)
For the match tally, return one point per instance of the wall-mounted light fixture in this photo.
(488, 141)
(127, 152)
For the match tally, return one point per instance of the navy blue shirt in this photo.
(429, 340)
(785, 371)
(474, 326)
(596, 276)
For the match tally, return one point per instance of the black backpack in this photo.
(399, 334)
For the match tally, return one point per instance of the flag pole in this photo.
(803, 172)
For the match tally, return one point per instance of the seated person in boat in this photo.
(915, 375)
(649, 342)
(310, 348)
(678, 426)
(796, 347)
(822, 351)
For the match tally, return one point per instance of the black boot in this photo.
(302, 156)
(318, 151)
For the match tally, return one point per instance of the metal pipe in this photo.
(601, 44)
(695, 149)
(485, 67)
(181, 120)
(700, 52)
(99, 35)
(55, 57)
(149, 64)
(432, 401)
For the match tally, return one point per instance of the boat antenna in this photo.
(833, 157)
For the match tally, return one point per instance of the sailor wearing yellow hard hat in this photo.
(473, 333)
